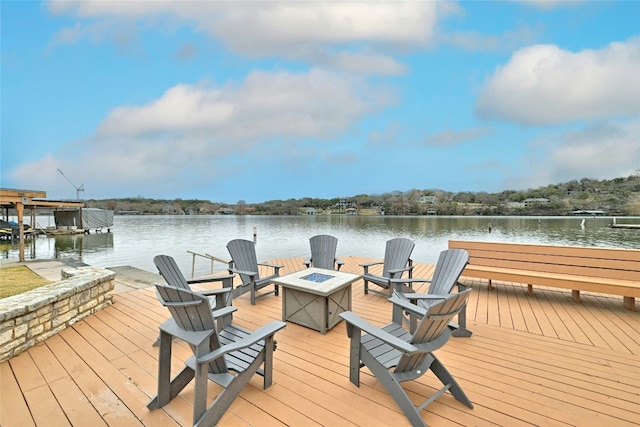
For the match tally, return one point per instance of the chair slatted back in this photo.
(433, 328)
(323, 251)
(243, 255)
(170, 271)
(396, 255)
(451, 263)
(192, 313)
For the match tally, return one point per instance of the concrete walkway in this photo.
(127, 278)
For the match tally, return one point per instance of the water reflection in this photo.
(77, 245)
(136, 239)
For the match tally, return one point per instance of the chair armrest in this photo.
(425, 296)
(276, 266)
(179, 303)
(307, 262)
(409, 280)
(400, 301)
(356, 321)
(210, 279)
(400, 270)
(213, 292)
(223, 311)
(259, 335)
(369, 264)
(339, 261)
(248, 273)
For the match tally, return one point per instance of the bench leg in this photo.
(575, 295)
(530, 290)
(461, 330)
(630, 303)
(490, 285)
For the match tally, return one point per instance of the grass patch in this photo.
(16, 280)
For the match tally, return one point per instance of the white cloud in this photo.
(388, 137)
(365, 63)
(68, 35)
(551, 4)
(266, 120)
(352, 35)
(543, 85)
(453, 137)
(477, 41)
(603, 151)
(266, 105)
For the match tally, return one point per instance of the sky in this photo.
(264, 100)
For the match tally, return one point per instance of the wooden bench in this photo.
(601, 270)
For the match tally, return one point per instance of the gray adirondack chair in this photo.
(228, 357)
(449, 267)
(218, 298)
(394, 355)
(323, 253)
(397, 260)
(244, 262)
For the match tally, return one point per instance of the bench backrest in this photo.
(611, 263)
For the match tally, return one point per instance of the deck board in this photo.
(13, 407)
(541, 360)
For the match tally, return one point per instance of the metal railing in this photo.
(211, 258)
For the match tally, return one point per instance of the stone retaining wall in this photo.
(32, 317)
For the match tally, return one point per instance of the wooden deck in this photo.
(541, 360)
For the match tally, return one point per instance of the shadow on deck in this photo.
(540, 360)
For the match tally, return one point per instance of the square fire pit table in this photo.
(314, 297)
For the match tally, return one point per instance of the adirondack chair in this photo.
(244, 262)
(218, 298)
(228, 357)
(397, 260)
(394, 355)
(449, 267)
(323, 253)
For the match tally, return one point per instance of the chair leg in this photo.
(269, 347)
(354, 354)
(226, 398)
(366, 287)
(168, 388)
(200, 391)
(461, 330)
(394, 388)
(447, 379)
(397, 315)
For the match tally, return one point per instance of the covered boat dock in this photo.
(32, 199)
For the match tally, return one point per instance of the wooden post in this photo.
(20, 211)
(575, 294)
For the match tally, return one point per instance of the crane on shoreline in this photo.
(78, 189)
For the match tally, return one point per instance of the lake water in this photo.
(135, 240)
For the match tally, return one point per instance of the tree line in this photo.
(619, 196)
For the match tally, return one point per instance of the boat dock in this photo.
(633, 226)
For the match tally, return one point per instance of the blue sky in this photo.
(264, 100)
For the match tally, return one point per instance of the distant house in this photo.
(536, 201)
(311, 211)
(428, 199)
(588, 212)
(370, 212)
